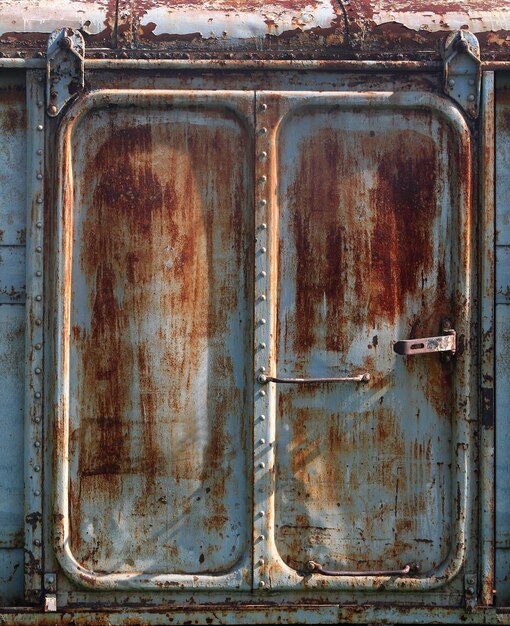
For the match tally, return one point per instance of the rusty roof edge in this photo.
(334, 29)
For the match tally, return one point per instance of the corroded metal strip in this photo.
(265, 258)
(304, 613)
(283, 576)
(487, 281)
(34, 336)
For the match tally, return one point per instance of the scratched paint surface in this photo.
(366, 257)
(160, 338)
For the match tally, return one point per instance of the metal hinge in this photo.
(447, 342)
(50, 592)
(470, 592)
(462, 70)
(65, 68)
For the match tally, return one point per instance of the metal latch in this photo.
(65, 68)
(462, 70)
(425, 345)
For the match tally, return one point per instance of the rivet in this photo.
(263, 297)
(263, 250)
(262, 584)
(262, 368)
(38, 249)
(38, 273)
(262, 442)
(39, 176)
(40, 127)
(471, 81)
(262, 418)
(38, 346)
(263, 274)
(38, 322)
(451, 82)
(261, 537)
(263, 178)
(37, 492)
(262, 321)
(37, 395)
(40, 103)
(39, 200)
(263, 130)
(262, 465)
(262, 203)
(261, 563)
(263, 107)
(262, 513)
(37, 543)
(39, 151)
(52, 109)
(262, 392)
(39, 224)
(37, 444)
(37, 420)
(263, 226)
(471, 97)
(37, 370)
(471, 581)
(262, 346)
(38, 298)
(37, 468)
(50, 579)
(263, 155)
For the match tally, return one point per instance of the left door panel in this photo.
(154, 325)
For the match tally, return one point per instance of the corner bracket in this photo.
(65, 68)
(462, 70)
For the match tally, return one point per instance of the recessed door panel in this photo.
(158, 260)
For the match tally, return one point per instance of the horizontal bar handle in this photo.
(410, 568)
(362, 378)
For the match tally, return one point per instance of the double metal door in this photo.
(210, 242)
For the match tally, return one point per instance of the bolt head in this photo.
(66, 43)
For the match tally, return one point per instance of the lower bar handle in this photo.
(410, 568)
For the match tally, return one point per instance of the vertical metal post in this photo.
(263, 448)
(33, 425)
(487, 494)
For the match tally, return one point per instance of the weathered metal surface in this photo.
(486, 342)
(375, 249)
(12, 334)
(12, 274)
(153, 341)
(318, 27)
(12, 321)
(502, 332)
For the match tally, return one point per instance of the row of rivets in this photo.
(261, 342)
(35, 299)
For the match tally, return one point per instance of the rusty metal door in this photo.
(364, 240)
(152, 486)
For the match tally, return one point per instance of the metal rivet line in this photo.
(34, 392)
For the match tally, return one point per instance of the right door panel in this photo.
(370, 227)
